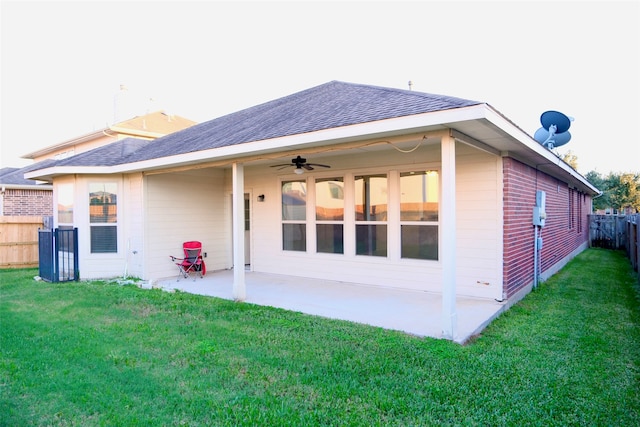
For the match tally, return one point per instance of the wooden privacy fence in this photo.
(19, 241)
(617, 232)
(607, 231)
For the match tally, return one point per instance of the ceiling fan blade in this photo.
(281, 166)
(307, 166)
(317, 164)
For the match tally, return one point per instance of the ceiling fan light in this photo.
(299, 170)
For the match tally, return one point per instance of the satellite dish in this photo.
(550, 118)
(554, 130)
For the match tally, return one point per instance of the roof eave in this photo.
(47, 174)
(527, 149)
(26, 187)
(67, 143)
(480, 122)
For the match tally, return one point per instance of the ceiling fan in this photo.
(300, 163)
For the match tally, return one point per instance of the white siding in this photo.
(181, 207)
(100, 265)
(133, 225)
(479, 223)
(158, 212)
(479, 232)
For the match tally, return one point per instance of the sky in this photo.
(62, 63)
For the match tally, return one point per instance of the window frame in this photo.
(324, 222)
(383, 224)
(350, 222)
(95, 225)
(301, 223)
(421, 223)
(61, 196)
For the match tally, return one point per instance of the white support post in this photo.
(448, 237)
(239, 287)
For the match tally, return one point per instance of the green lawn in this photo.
(95, 353)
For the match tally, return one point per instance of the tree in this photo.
(620, 191)
(571, 159)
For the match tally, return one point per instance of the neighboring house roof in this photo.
(68, 143)
(6, 171)
(149, 126)
(152, 125)
(14, 177)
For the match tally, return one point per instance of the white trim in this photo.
(67, 143)
(501, 293)
(37, 187)
(239, 286)
(526, 140)
(448, 237)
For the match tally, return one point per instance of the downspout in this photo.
(2, 201)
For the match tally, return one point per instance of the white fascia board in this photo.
(528, 141)
(68, 170)
(67, 143)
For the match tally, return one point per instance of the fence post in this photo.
(76, 260)
(56, 255)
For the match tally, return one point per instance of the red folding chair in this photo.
(192, 261)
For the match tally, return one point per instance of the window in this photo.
(580, 203)
(247, 219)
(571, 209)
(419, 205)
(103, 217)
(294, 216)
(330, 215)
(371, 215)
(362, 214)
(65, 204)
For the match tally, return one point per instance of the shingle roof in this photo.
(15, 176)
(115, 153)
(327, 106)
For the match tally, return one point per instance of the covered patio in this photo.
(413, 312)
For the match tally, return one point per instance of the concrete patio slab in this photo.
(412, 312)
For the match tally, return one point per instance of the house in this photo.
(20, 196)
(393, 188)
(24, 197)
(148, 126)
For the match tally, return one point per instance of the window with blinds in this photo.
(103, 217)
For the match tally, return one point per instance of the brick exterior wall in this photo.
(27, 202)
(565, 229)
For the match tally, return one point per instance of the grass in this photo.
(101, 354)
